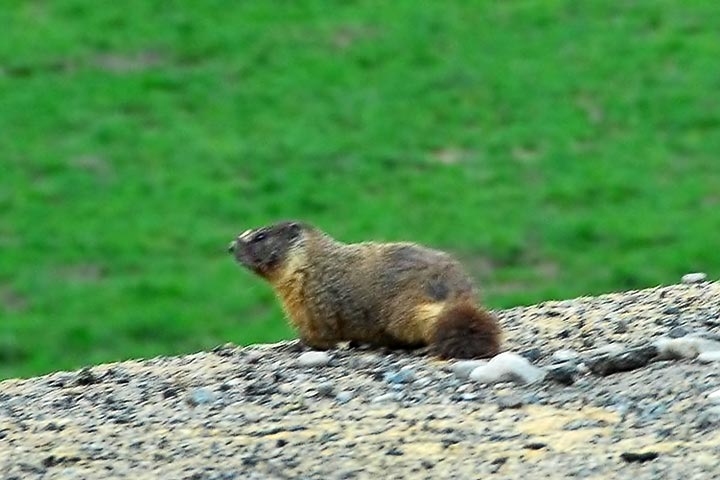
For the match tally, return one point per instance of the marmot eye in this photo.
(259, 237)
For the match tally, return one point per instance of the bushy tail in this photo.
(465, 331)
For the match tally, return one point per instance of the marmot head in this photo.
(264, 250)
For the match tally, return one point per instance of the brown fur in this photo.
(464, 331)
(393, 294)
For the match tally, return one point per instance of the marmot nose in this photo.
(231, 247)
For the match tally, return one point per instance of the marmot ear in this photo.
(294, 228)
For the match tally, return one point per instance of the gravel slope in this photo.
(239, 413)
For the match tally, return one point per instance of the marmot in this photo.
(390, 294)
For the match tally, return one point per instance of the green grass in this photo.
(560, 148)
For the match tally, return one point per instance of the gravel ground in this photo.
(269, 411)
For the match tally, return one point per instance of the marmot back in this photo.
(391, 294)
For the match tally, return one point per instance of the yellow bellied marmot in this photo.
(391, 294)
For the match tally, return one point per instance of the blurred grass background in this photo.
(559, 148)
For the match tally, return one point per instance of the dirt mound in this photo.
(264, 412)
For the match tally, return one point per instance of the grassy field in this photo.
(560, 148)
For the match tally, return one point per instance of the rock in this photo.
(344, 396)
(325, 389)
(225, 350)
(463, 368)
(624, 361)
(200, 396)
(639, 457)
(652, 412)
(532, 354)
(709, 357)
(678, 332)
(260, 387)
(404, 375)
(394, 451)
(563, 373)
(253, 356)
(714, 396)
(86, 377)
(691, 278)
(363, 361)
(313, 359)
(388, 397)
(509, 401)
(565, 355)
(507, 366)
(689, 346)
(671, 310)
(709, 419)
(621, 326)
(535, 445)
(712, 322)
(584, 423)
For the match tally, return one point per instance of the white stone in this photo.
(388, 397)
(696, 277)
(582, 368)
(313, 359)
(505, 367)
(684, 347)
(463, 368)
(709, 357)
(564, 355)
(705, 344)
(714, 396)
(344, 396)
(487, 374)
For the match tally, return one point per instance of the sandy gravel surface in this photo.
(257, 412)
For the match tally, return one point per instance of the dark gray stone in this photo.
(624, 361)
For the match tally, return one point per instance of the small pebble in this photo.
(200, 396)
(86, 377)
(253, 356)
(388, 397)
(463, 368)
(325, 389)
(536, 445)
(639, 457)
(563, 373)
(709, 419)
(709, 357)
(621, 326)
(344, 396)
(507, 366)
(313, 359)
(404, 375)
(564, 355)
(678, 332)
(532, 354)
(697, 277)
(509, 401)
